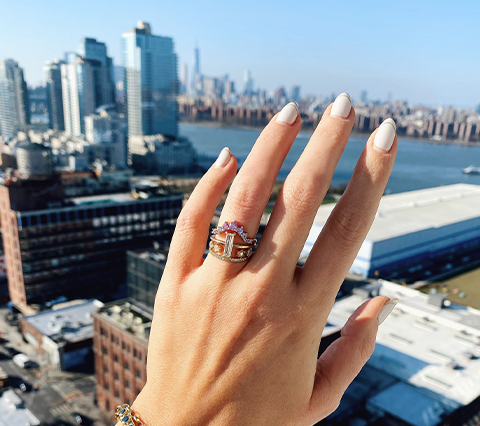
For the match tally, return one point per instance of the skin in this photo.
(237, 343)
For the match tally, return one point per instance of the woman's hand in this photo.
(237, 343)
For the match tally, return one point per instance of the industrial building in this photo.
(63, 337)
(425, 370)
(416, 234)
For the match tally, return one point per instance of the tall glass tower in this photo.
(14, 101)
(151, 82)
(53, 79)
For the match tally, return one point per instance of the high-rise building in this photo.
(56, 244)
(92, 50)
(196, 84)
(14, 101)
(184, 78)
(295, 94)
(151, 82)
(78, 89)
(247, 83)
(53, 79)
(364, 96)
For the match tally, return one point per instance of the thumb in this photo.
(344, 358)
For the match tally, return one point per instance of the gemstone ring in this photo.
(227, 250)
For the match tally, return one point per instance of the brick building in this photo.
(121, 331)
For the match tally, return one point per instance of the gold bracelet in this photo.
(127, 416)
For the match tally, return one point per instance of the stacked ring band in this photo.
(227, 250)
(127, 416)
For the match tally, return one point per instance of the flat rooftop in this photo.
(419, 344)
(71, 324)
(409, 212)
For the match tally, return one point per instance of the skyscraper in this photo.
(14, 102)
(295, 94)
(151, 82)
(87, 83)
(364, 96)
(196, 86)
(78, 89)
(184, 78)
(247, 82)
(53, 80)
(96, 52)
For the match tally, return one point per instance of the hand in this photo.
(237, 343)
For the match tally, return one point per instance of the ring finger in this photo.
(251, 189)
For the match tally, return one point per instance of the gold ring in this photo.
(227, 250)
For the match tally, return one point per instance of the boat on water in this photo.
(471, 170)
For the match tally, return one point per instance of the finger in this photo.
(346, 228)
(193, 223)
(344, 358)
(253, 185)
(307, 183)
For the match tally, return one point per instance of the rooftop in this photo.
(129, 315)
(431, 350)
(408, 212)
(70, 324)
(13, 413)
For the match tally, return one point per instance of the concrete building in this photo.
(14, 101)
(144, 272)
(76, 246)
(151, 82)
(121, 336)
(425, 370)
(415, 233)
(14, 412)
(53, 80)
(34, 159)
(63, 337)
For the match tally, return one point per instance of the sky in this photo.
(425, 52)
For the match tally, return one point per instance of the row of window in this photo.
(127, 367)
(136, 354)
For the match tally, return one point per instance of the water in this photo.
(418, 164)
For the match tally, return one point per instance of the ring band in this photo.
(127, 416)
(227, 250)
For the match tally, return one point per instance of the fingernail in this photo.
(288, 114)
(385, 135)
(342, 106)
(223, 158)
(386, 309)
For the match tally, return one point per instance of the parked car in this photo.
(21, 360)
(11, 351)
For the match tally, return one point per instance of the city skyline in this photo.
(370, 46)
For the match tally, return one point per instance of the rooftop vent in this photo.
(438, 300)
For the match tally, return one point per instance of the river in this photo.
(418, 164)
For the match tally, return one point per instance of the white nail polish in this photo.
(223, 158)
(288, 114)
(385, 135)
(342, 106)
(386, 309)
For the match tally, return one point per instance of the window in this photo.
(116, 358)
(105, 369)
(117, 393)
(107, 386)
(107, 404)
(134, 352)
(127, 384)
(105, 350)
(127, 365)
(139, 373)
(116, 375)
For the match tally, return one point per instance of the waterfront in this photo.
(418, 165)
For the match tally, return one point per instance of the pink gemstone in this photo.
(233, 226)
(225, 225)
(240, 230)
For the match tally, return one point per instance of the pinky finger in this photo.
(191, 232)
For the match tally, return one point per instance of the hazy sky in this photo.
(424, 51)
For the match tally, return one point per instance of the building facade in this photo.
(121, 331)
(151, 82)
(53, 80)
(76, 246)
(14, 101)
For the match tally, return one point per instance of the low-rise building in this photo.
(425, 370)
(121, 331)
(63, 337)
(409, 239)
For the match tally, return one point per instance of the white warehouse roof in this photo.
(409, 212)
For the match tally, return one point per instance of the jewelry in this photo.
(127, 416)
(227, 250)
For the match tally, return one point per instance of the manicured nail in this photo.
(288, 114)
(386, 309)
(223, 158)
(385, 135)
(342, 106)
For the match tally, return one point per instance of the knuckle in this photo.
(187, 221)
(245, 198)
(300, 195)
(349, 225)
